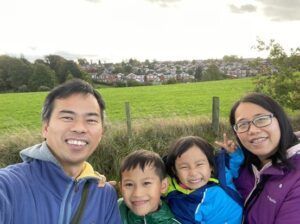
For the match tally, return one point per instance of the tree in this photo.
(56, 63)
(231, 59)
(73, 68)
(212, 73)
(178, 69)
(63, 67)
(127, 68)
(282, 78)
(199, 73)
(134, 62)
(42, 76)
(14, 73)
(83, 61)
(2, 81)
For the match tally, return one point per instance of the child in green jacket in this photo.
(143, 180)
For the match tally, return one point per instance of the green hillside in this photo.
(22, 110)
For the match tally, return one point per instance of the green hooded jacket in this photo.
(162, 216)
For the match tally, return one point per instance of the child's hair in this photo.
(143, 158)
(182, 145)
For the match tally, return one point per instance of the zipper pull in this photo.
(76, 186)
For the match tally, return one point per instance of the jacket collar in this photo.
(293, 150)
(175, 186)
(42, 152)
(268, 169)
(162, 215)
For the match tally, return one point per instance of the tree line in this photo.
(281, 81)
(20, 75)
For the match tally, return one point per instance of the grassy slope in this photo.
(22, 110)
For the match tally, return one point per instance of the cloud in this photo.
(280, 10)
(242, 8)
(67, 55)
(93, 1)
(73, 56)
(164, 3)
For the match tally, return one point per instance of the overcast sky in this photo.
(116, 30)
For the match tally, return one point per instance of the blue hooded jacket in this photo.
(38, 191)
(209, 204)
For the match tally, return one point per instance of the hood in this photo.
(293, 150)
(39, 152)
(42, 152)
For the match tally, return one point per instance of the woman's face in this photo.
(261, 141)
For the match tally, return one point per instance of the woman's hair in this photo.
(287, 138)
(182, 145)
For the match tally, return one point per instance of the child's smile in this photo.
(192, 168)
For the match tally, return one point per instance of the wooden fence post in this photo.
(215, 114)
(128, 119)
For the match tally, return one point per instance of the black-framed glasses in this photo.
(259, 122)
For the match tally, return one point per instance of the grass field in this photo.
(22, 110)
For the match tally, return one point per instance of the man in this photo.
(55, 184)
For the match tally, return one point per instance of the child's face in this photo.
(192, 168)
(141, 190)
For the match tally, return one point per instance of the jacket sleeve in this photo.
(289, 211)
(5, 204)
(113, 214)
(236, 159)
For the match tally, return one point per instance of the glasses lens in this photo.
(241, 127)
(262, 121)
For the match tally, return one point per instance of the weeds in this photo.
(155, 135)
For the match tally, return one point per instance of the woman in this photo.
(269, 180)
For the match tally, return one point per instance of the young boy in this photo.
(143, 180)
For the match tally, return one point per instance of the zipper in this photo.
(65, 207)
(257, 179)
(76, 186)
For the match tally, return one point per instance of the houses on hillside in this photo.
(154, 78)
(159, 72)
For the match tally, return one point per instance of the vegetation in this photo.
(22, 110)
(19, 75)
(282, 80)
(160, 115)
(153, 135)
(212, 73)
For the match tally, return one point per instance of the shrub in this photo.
(44, 88)
(23, 88)
(156, 135)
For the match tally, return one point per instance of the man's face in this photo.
(141, 190)
(74, 129)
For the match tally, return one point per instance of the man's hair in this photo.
(142, 158)
(183, 144)
(287, 138)
(74, 86)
